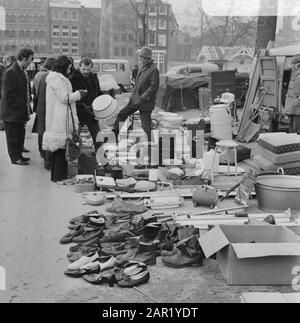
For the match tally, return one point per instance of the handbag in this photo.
(73, 144)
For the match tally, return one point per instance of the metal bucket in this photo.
(221, 122)
(278, 193)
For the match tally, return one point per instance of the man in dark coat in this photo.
(144, 94)
(84, 79)
(15, 105)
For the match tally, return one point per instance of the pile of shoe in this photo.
(117, 250)
(98, 268)
(146, 239)
(85, 228)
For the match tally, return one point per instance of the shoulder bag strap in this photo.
(72, 116)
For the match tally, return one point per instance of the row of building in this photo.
(115, 30)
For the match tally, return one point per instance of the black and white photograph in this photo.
(149, 154)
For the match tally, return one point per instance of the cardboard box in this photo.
(253, 255)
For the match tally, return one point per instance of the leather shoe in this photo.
(25, 159)
(20, 162)
(25, 150)
(136, 280)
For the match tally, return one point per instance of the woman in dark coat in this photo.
(39, 103)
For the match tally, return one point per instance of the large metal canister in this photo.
(205, 196)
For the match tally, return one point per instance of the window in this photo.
(123, 51)
(65, 31)
(93, 45)
(162, 40)
(117, 51)
(75, 48)
(36, 48)
(130, 52)
(75, 31)
(27, 33)
(22, 33)
(162, 24)
(75, 15)
(56, 46)
(140, 23)
(55, 31)
(13, 34)
(36, 34)
(65, 47)
(11, 19)
(36, 19)
(42, 34)
(56, 14)
(152, 39)
(163, 10)
(152, 24)
(109, 67)
(42, 19)
(65, 15)
(27, 19)
(152, 10)
(124, 38)
(121, 67)
(130, 37)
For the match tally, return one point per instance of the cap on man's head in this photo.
(296, 59)
(145, 52)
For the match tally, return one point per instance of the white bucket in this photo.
(105, 107)
(221, 122)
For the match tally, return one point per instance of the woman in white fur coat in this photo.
(59, 91)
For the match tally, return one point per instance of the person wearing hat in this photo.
(144, 94)
(293, 110)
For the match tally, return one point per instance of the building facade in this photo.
(118, 31)
(65, 27)
(141, 22)
(26, 25)
(90, 32)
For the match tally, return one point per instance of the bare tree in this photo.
(220, 31)
(267, 26)
(142, 10)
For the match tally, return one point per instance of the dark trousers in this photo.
(87, 119)
(15, 137)
(294, 124)
(127, 112)
(59, 166)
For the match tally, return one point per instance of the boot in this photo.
(164, 244)
(150, 231)
(112, 237)
(171, 253)
(189, 254)
(146, 253)
(187, 232)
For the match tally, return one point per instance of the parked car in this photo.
(192, 69)
(118, 68)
